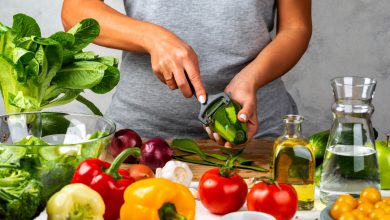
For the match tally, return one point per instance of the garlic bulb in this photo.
(175, 171)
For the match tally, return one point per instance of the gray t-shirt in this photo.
(226, 35)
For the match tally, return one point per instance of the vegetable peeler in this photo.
(213, 102)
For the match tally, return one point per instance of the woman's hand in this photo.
(244, 93)
(172, 58)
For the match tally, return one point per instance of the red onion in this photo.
(123, 139)
(156, 153)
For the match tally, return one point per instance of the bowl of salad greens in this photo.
(39, 152)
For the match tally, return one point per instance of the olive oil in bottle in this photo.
(294, 162)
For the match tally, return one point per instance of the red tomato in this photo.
(280, 201)
(221, 195)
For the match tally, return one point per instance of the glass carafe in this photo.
(350, 162)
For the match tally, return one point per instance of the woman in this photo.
(223, 45)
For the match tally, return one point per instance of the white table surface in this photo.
(203, 214)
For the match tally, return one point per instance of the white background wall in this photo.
(350, 37)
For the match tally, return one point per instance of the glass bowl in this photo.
(50, 145)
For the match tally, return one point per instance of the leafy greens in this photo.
(38, 72)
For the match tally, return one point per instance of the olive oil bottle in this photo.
(294, 162)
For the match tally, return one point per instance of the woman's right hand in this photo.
(171, 58)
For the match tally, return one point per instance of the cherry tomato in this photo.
(348, 216)
(385, 217)
(366, 208)
(278, 200)
(360, 201)
(347, 199)
(339, 208)
(386, 200)
(370, 194)
(358, 214)
(377, 214)
(380, 204)
(221, 195)
(386, 209)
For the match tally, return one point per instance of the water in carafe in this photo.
(350, 161)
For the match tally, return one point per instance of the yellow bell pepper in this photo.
(157, 199)
(75, 201)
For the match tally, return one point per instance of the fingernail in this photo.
(202, 99)
(208, 130)
(243, 117)
(216, 137)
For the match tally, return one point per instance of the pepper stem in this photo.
(168, 212)
(113, 170)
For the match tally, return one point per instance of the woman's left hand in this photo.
(243, 92)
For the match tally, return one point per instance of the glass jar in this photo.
(350, 161)
(294, 162)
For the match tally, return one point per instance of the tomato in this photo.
(385, 217)
(348, 216)
(278, 200)
(377, 214)
(360, 201)
(387, 209)
(358, 214)
(221, 195)
(339, 208)
(370, 194)
(386, 200)
(366, 208)
(379, 204)
(348, 199)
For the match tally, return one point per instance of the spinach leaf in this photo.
(84, 33)
(108, 82)
(92, 148)
(3, 28)
(6, 44)
(90, 105)
(68, 96)
(32, 69)
(109, 61)
(23, 102)
(31, 140)
(65, 39)
(80, 75)
(23, 55)
(38, 72)
(27, 43)
(25, 26)
(85, 56)
(54, 123)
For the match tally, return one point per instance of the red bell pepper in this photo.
(107, 179)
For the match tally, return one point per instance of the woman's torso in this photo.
(226, 35)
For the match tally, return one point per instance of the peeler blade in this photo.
(208, 108)
(205, 112)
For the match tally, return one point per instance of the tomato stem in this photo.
(269, 181)
(228, 169)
